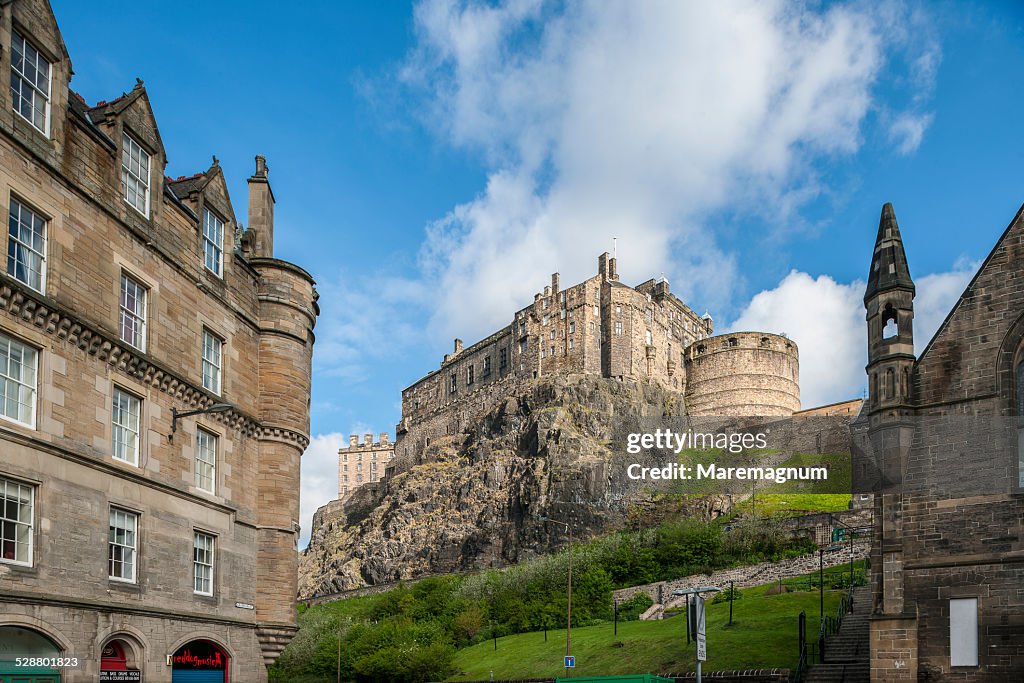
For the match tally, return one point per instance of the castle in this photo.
(605, 328)
(156, 362)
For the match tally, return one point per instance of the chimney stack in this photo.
(458, 347)
(261, 210)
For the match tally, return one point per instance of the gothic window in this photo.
(890, 328)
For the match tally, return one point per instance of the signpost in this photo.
(696, 619)
(702, 636)
(570, 662)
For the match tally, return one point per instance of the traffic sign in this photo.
(570, 661)
(702, 638)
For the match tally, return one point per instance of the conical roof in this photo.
(889, 269)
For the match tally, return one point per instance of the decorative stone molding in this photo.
(46, 315)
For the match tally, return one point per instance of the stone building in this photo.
(942, 450)
(363, 463)
(606, 328)
(155, 363)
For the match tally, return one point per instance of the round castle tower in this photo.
(743, 374)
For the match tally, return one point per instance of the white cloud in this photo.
(635, 120)
(319, 478)
(826, 320)
(907, 130)
(936, 294)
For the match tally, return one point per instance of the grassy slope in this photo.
(763, 634)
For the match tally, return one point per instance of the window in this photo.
(572, 328)
(123, 540)
(30, 83)
(454, 383)
(502, 359)
(618, 309)
(597, 311)
(571, 344)
(125, 414)
(16, 516)
(487, 366)
(552, 335)
(650, 315)
(650, 338)
(344, 458)
(26, 246)
(523, 345)
(618, 328)
(202, 563)
(469, 375)
(206, 460)
(552, 350)
(135, 174)
(545, 305)
(545, 320)
(211, 361)
(133, 312)
(213, 242)
(561, 314)
(18, 364)
(963, 632)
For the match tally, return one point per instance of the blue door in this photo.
(197, 677)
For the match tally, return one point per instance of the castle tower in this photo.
(288, 311)
(889, 300)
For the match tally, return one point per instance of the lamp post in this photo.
(568, 618)
(215, 408)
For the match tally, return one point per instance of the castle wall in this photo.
(744, 373)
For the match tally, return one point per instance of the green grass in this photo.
(782, 504)
(763, 634)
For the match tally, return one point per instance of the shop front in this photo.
(200, 661)
(28, 656)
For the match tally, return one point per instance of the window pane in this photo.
(135, 174)
(30, 82)
(133, 312)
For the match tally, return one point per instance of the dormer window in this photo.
(30, 83)
(135, 174)
(213, 242)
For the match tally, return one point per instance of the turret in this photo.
(889, 300)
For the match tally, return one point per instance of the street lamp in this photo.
(215, 408)
(568, 619)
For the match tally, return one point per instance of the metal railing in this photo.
(811, 653)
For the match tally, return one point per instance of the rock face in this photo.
(477, 498)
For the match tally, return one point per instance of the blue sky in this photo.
(434, 162)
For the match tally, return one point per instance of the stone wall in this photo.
(745, 577)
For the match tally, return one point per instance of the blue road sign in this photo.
(570, 662)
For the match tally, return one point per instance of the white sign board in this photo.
(702, 638)
(963, 632)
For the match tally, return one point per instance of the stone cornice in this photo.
(44, 314)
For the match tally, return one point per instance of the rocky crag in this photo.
(477, 498)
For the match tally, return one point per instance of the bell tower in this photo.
(889, 300)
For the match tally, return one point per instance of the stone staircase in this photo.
(846, 653)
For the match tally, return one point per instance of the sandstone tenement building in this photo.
(155, 363)
(943, 438)
(363, 463)
(606, 328)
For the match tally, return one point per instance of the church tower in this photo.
(889, 301)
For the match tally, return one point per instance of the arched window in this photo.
(890, 327)
(890, 383)
(1019, 389)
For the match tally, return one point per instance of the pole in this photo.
(615, 619)
(851, 559)
(568, 625)
(730, 602)
(339, 655)
(821, 583)
(687, 619)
